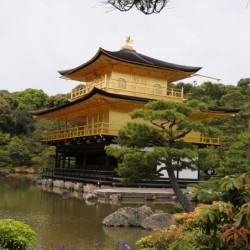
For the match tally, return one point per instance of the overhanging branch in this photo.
(145, 6)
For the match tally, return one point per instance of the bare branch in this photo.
(182, 134)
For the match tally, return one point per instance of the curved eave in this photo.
(132, 57)
(93, 92)
(215, 113)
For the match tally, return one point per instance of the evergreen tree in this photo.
(159, 141)
(237, 157)
(18, 152)
(6, 116)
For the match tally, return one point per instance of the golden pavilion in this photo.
(111, 85)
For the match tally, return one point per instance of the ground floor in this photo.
(85, 161)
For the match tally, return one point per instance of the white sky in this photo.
(40, 37)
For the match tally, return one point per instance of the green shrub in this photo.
(207, 192)
(223, 225)
(16, 235)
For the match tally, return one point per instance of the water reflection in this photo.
(64, 219)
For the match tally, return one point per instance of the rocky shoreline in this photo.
(92, 192)
(142, 216)
(138, 217)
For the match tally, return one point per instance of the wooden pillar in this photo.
(56, 160)
(84, 160)
(63, 157)
(105, 80)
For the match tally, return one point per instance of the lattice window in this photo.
(157, 89)
(121, 83)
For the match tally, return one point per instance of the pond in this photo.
(70, 221)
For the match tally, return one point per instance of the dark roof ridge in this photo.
(131, 56)
(89, 95)
(139, 56)
(125, 55)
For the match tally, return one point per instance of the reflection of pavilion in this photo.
(112, 85)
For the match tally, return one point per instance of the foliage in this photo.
(15, 120)
(44, 159)
(232, 98)
(145, 6)
(221, 225)
(6, 116)
(16, 235)
(237, 157)
(158, 141)
(24, 122)
(18, 152)
(206, 92)
(31, 99)
(56, 100)
(207, 191)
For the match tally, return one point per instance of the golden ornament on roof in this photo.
(128, 41)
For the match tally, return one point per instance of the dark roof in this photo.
(124, 97)
(88, 96)
(133, 57)
(225, 110)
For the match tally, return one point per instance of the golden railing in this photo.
(202, 139)
(80, 131)
(129, 88)
(103, 128)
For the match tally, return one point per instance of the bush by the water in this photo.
(223, 225)
(16, 235)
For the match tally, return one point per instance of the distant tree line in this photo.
(21, 134)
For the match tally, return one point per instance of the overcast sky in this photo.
(40, 37)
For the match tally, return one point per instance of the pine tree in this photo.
(156, 138)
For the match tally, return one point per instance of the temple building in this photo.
(112, 84)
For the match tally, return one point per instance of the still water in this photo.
(59, 220)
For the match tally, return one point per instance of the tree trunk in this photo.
(185, 203)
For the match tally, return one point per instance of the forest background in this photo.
(21, 134)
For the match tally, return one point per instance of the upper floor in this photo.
(112, 84)
(130, 85)
(127, 72)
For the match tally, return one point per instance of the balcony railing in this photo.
(202, 139)
(129, 88)
(81, 174)
(103, 128)
(81, 131)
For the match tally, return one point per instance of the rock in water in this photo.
(157, 221)
(91, 197)
(128, 216)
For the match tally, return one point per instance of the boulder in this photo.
(115, 197)
(89, 188)
(69, 185)
(149, 197)
(128, 216)
(45, 182)
(78, 186)
(190, 195)
(66, 193)
(58, 183)
(91, 197)
(62, 185)
(37, 182)
(157, 221)
(50, 183)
